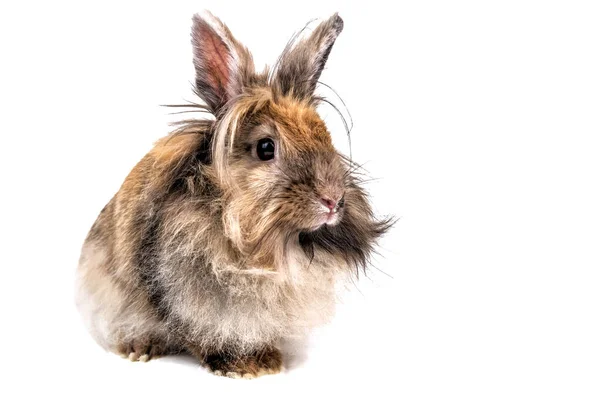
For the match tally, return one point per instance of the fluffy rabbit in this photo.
(231, 233)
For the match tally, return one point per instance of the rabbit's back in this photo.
(110, 298)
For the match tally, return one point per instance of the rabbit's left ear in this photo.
(222, 63)
(300, 68)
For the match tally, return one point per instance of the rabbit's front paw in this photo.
(264, 362)
(142, 349)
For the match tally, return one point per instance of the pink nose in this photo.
(327, 202)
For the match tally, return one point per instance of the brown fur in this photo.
(258, 363)
(207, 249)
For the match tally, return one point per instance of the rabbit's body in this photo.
(168, 253)
(231, 234)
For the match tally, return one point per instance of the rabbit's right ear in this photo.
(222, 63)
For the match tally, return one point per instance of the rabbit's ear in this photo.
(300, 67)
(222, 64)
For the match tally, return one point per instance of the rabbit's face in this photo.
(284, 168)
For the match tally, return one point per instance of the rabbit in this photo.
(234, 232)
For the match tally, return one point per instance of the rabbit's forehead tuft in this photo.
(300, 124)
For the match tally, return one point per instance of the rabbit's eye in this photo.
(265, 149)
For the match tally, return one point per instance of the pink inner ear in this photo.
(215, 55)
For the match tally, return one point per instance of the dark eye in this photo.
(265, 149)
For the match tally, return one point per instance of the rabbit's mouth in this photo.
(327, 216)
(331, 217)
(329, 211)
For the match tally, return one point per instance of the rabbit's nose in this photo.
(331, 203)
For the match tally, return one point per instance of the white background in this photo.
(480, 119)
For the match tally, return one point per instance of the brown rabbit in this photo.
(230, 234)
